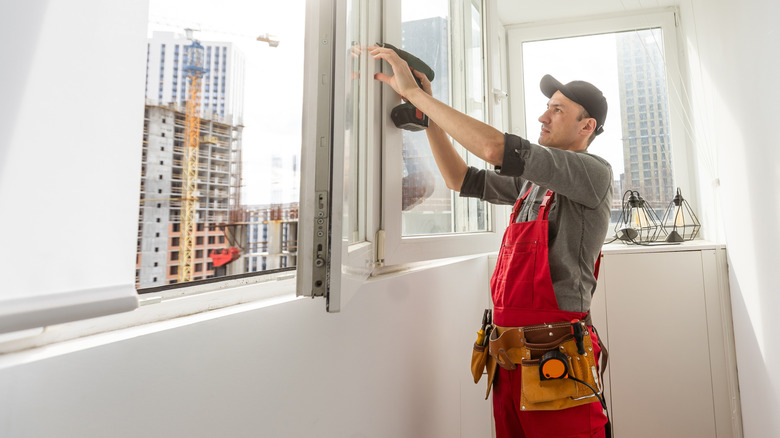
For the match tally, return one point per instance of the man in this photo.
(554, 280)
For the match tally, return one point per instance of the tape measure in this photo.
(553, 365)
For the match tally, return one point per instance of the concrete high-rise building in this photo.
(645, 118)
(219, 158)
(162, 180)
(222, 90)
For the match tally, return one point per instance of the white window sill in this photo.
(170, 309)
(157, 311)
(174, 308)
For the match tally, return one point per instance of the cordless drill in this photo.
(407, 116)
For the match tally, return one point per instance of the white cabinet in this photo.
(665, 315)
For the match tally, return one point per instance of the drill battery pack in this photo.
(407, 116)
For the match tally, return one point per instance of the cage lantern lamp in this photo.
(679, 222)
(638, 222)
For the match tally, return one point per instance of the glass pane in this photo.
(475, 105)
(355, 125)
(473, 213)
(428, 206)
(221, 140)
(629, 68)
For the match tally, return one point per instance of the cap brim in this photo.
(550, 85)
(594, 104)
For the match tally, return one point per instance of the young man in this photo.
(553, 278)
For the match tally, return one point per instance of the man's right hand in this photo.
(426, 84)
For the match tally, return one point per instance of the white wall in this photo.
(71, 118)
(734, 67)
(394, 363)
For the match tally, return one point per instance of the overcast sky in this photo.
(274, 76)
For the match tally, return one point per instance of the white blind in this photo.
(39, 310)
(71, 119)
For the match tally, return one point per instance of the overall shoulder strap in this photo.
(518, 204)
(544, 209)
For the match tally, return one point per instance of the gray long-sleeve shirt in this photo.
(579, 215)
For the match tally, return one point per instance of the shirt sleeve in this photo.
(489, 186)
(581, 177)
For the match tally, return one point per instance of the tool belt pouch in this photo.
(482, 362)
(479, 357)
(526, 346)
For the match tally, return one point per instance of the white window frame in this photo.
(665, 19)
(352, 263)
(399, 249)
(329, 264)
(496, 62)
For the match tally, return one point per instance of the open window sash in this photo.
(399, 245)
(337, 253)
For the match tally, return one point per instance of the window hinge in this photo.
(380, 249)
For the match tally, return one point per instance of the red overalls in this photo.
(523, 295)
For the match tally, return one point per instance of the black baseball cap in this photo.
(584, 93)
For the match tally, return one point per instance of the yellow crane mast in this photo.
(195, 71)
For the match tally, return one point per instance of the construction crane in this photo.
(268, 38)
(195, 71)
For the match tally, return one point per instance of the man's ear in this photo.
(589, 126)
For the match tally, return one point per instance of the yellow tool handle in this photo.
(480, 336)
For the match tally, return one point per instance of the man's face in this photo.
(561, 128)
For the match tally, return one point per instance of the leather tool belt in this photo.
(558, 363)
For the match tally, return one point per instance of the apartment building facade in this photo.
(645, 118)
(162, 181)
(222, 87)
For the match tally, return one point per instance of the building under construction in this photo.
(160, 216)
(272, 237)
(191, 169)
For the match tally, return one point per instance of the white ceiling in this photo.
(528, 11)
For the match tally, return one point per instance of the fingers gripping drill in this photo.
(407, 116)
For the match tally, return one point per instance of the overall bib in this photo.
(523, 295)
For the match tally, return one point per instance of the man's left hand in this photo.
(402, 80)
